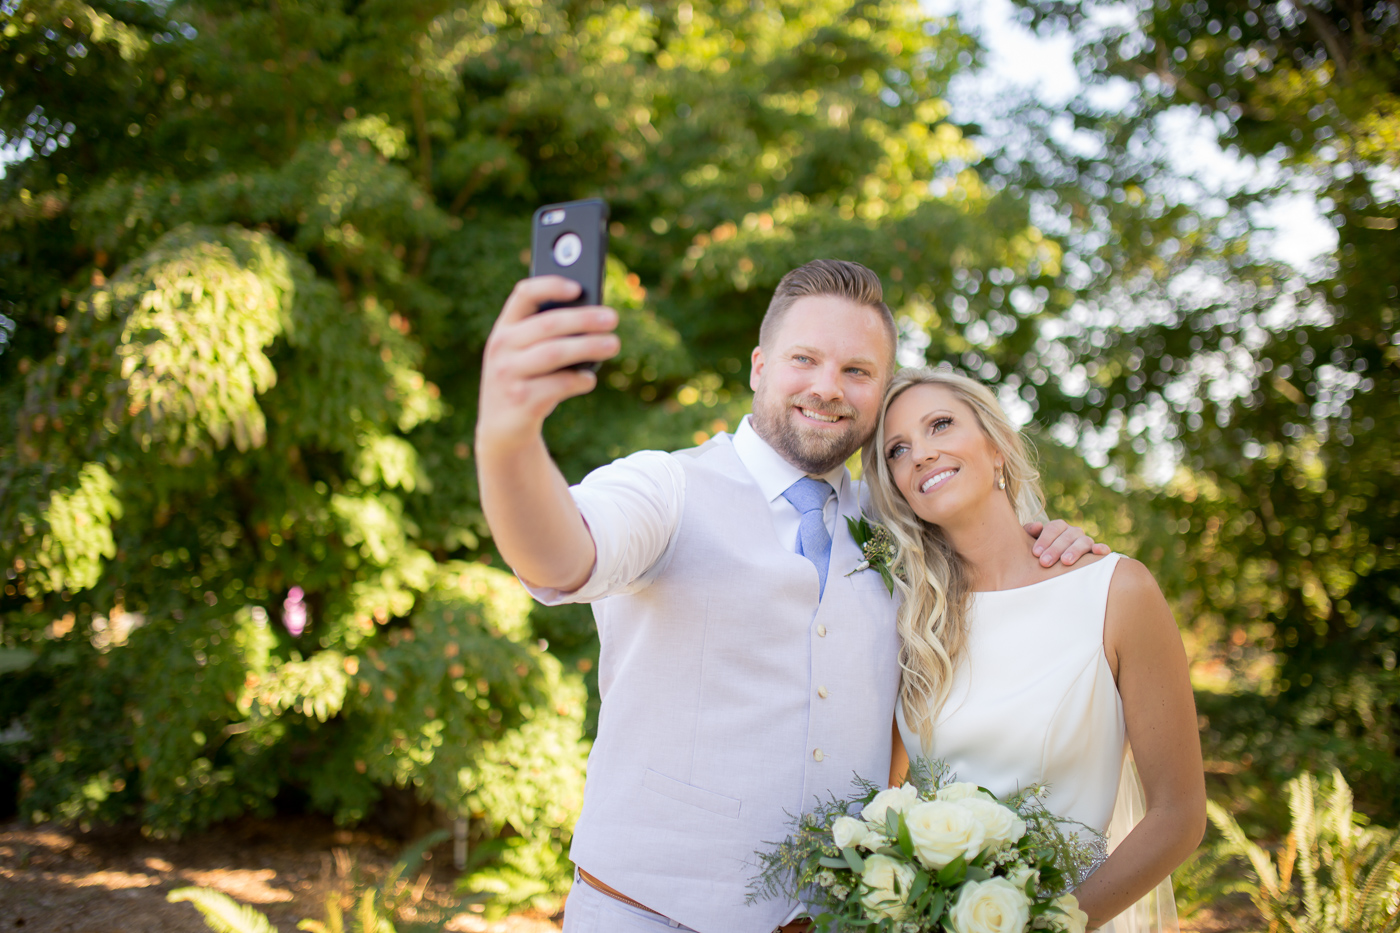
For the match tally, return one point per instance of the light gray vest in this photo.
(731, 699)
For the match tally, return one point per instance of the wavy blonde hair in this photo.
(932, 577)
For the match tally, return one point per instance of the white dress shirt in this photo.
(633, 506)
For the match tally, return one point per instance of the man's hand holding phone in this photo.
(526, 368)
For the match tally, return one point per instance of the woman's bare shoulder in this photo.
(1133, 580)
(1136, 606)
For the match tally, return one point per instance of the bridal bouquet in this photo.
(932, 856)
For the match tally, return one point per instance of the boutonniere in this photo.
(877, 548)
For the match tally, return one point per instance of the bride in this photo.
(1016, 674)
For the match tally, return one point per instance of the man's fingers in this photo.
(549, 356)
(527, 296)
(1045, 534)
(1077, 549)
(1034, 529)
(566, 383)
(1055, 539)
(1059, 540)
(559, 322)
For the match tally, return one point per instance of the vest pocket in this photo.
(690, 794)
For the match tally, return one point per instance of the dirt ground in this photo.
(55, 880)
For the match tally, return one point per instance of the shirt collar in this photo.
(768, 468)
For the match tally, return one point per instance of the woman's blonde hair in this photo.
(931, 576)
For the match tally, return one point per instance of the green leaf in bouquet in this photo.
(827, 861)
(919, 886)
(853, 859)
(935, 906)
(906, 841)
(977, 873)
(952, 874)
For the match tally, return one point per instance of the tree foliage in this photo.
(252, 253)
(1276, 388)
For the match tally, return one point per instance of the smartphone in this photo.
(571, 239)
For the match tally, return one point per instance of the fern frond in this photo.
(1387, 855)
(369, 918)
(222, 913)
(1238, 843)
(1302, 806)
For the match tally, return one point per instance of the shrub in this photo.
(1334, 874)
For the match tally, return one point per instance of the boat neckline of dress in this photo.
(1058, 576)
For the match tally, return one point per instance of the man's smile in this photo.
(821, 416)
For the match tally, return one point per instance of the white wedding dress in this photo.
(1033, 701)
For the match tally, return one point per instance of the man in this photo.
(747, 669)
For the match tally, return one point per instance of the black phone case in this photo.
(587, 220)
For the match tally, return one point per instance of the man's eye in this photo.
(857, 371)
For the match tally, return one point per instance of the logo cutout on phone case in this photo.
(567, 249)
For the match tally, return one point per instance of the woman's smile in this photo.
(938, 477)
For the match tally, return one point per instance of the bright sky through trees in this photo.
(1020, 61)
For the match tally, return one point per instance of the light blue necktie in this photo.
(809, 496)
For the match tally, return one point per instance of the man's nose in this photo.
(827, 384)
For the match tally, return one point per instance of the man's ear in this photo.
(755, 367)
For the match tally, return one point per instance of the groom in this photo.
(747, 670)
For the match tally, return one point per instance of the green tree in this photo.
(1277, 389)
(253, 254)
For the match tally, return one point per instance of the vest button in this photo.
(821, 631)
(821, 692)
(817, 755)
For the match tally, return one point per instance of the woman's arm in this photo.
(1144, 649)
(899, 756)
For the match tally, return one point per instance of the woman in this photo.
(1016, 674)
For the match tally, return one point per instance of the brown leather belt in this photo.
(614, 893)
(797, 926)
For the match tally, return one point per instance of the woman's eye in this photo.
(939, 424)
(895, 451)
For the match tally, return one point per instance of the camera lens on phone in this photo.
(567, 249)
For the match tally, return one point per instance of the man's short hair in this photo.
(838, 278)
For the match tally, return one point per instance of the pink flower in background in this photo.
(294, 612)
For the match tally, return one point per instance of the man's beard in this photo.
(811, 450)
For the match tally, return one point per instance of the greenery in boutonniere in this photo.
(876, 547)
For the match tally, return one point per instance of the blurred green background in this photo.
(250, 253)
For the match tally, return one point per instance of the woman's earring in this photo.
(1001, 479)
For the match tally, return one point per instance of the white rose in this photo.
(942, 831)
(962, 790)
(993, 906)
(848, 831)
(880, 876)
(898, 799)
(1021, 874)
(1073, 920)
(998, 820)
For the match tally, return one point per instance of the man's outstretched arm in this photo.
(525, 375)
